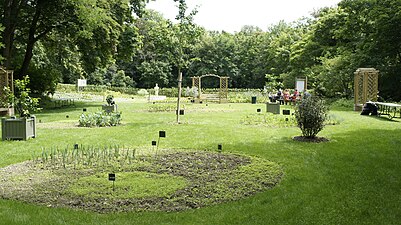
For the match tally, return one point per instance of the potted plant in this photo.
(23, 127)
(111, 105)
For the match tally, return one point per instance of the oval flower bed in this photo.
(168, 182)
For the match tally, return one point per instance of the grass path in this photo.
(353, 179)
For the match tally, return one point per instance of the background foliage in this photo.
(119, 43)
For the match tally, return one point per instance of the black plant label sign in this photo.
(162, 133)
(153, 143)
(112, 176)
(286, 112)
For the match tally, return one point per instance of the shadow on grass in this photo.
(383, 118)
(71, 108)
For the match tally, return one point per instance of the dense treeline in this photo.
(120, 43)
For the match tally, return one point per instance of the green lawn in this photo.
(353, 179)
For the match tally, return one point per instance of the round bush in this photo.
(310, 114)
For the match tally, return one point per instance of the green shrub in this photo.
(343, 103)
(245, 95)
(100, 119)
(143, 92)
(311, 114)
(23, 102)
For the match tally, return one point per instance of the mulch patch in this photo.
(308, 139)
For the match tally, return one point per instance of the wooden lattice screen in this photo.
(223, 95)
(6, 79)
(366, 85)
(196, 82)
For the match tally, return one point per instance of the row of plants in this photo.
(85, 157)
(100, 119)
(246, 97)
(165, 107)
(278, 120)
(269, 119)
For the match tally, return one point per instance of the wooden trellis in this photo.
(366, 86)
(6, 80)
(223, 91)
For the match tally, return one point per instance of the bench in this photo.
(392, 110)
(210, 97)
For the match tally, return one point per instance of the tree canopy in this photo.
(121, 43)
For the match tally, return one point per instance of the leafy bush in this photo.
(43, 79)
(169, 92)
(245, 95)
(100, 119)
(23, 102)
(311, 114)
(7, 98)
(143, 92)
(343, 103)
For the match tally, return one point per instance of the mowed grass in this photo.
(353, 179)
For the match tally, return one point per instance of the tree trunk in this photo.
(11, 10)
(30, 44)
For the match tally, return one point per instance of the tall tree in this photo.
(186, 34)
(29, 21)
(10, 11)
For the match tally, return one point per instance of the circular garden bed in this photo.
(166, 182)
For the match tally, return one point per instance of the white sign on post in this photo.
(81, 83)
(300, 84)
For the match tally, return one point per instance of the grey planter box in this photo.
(273, 107)
(18, 128)
(109, 108)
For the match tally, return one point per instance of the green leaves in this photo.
(310, 114)
(100, 119)
(23, 102)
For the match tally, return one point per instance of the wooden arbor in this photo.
(365, 86)
(222, 96)
(6, 80)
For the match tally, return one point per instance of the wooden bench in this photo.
(210, 97)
